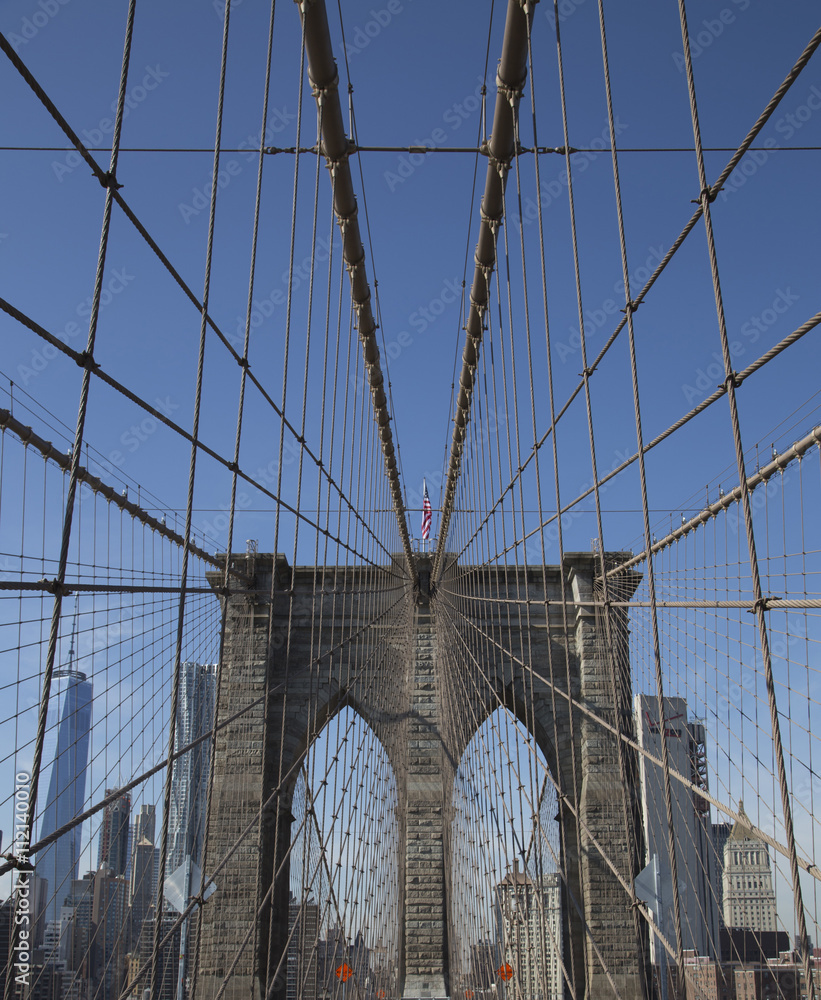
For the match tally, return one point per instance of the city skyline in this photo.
(189, 779)
(270, 282)
(59, 862)
(691, 824)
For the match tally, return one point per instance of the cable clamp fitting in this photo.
(333, 165)
(501, 165)
(512, 93)
(731, 380)
(332, 84)
(109, 181)
(20, 864)
(493, 221)
(705, 193)
(762, 604)
(86, 360)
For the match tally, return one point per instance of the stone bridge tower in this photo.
(258, 754)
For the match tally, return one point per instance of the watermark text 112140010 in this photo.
(20, 961)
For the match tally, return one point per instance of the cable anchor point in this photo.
(109, 181)
(731, 380)
(86, 360)
(19, 864)
(762, 604)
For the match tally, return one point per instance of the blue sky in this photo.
(415, 71)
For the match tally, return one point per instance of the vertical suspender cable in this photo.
(336, 149)
(155, 958)
(234, 476)
(68, 517)
(760, 605)
(501, 150)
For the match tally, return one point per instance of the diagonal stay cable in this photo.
(187, 435)
(808, 866)
(27, 437)
(107, 181)
(714, 190)
(69, 513)
(717, 394)
(777, 465)
(705, 198)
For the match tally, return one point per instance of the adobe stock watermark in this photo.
(136, 435)
(420, 320)
(534, 548)
(709, 376)
(565, 8)
(759, 498)
(220, 5)
(731, 694)
(550, 191)
(31, 27)
(200, 198)
(7, 571)
(214, 530)
(21, 962)
(41, 357)
(453, 117)
(363, 34)
(569, 517)
(480, 434)
(787, 126)
(709, 31)
(602, 316)
(264, 306)
(134, 97)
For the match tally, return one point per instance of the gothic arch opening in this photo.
(344, 893)
(506, 887)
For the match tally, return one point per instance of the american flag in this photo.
(426, 511)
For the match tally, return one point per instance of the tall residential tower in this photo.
(59, 862)
(112, 848)
(189, 780)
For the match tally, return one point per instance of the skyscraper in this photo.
(112, 850)
(189, 780)
(749, 896)
(143, 827)
(110, 944)
(141, 883)
(529, 936)
(189, 787)
(167, 957)
(721, 833)
(303, 929)
(58, 863)
(692, 830)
